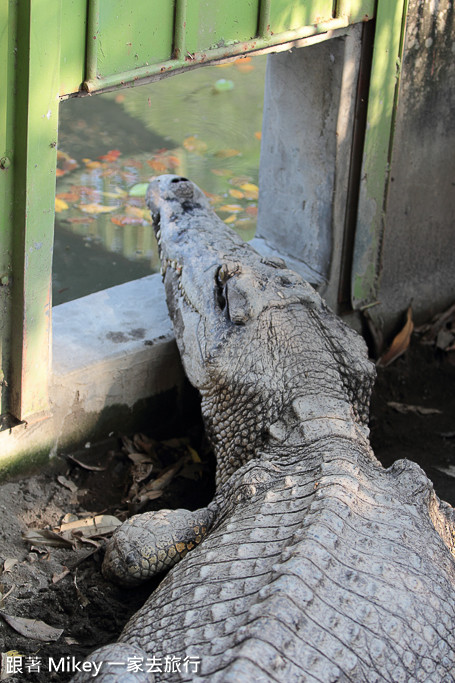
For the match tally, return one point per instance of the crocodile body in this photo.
(318, 564)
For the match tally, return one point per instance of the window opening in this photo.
(204, 125)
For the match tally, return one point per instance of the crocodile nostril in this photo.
(179, 180)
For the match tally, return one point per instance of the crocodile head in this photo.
(255, 338)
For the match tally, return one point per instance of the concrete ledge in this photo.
(112, 351)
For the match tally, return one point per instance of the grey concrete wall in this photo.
(418, 260)
(115, 364)
(305, 156)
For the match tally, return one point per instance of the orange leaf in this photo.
(92, 164)
(251, 210)
(230, 219)
(126, 220)
(68, 196)
(119, 98)
(214, 198)
(81, 219)
(258, 134)
(244, 68)
(173, 161)
(227, 153)
(243, 60)
(96, 208)
(400, 342)
(193, 144)
(69, 165)
(237, 194)
(59, 172)
(112, 155)
(157, 165)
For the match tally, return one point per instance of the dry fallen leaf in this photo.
(100, 525)
(58, 577)
(32, 628)
(9, 563)
(400, 343)
(67, 483)
(37, 537)
(417, 410)
(91, 468)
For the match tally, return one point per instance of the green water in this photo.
(204, 125)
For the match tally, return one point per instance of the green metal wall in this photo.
(54, 48)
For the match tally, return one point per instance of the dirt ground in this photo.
(64, 587)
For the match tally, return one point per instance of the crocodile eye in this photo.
(221, 277)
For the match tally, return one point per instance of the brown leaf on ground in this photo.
(400, 343)
(37, 537)
(90, 527)
(92, 468)
(32, 628)
(442, 320)
(418, 410)
(67, 483)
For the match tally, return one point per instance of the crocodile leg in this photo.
(153, 542)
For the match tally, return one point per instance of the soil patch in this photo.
(91, 611)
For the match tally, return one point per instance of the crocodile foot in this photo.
(153, 542)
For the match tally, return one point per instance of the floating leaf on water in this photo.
(112, 155)
(214, 198)
(227, 153)
(223, 85)
(237, 194)
(251, 190)
(231, 208)
(32, 628)
(138, 190)
(122, 219)
(172, 161)
(59, 172)
(60, 205)
(68, 196)
(96, 208)
(251, 210)
(244, 68)
(223, 172)
(230, 219)
(157, 165)
(80, 220)
(92, 164)
(194, 144)
(400, 343)
(258, 135)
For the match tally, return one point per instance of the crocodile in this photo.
(313, 562)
